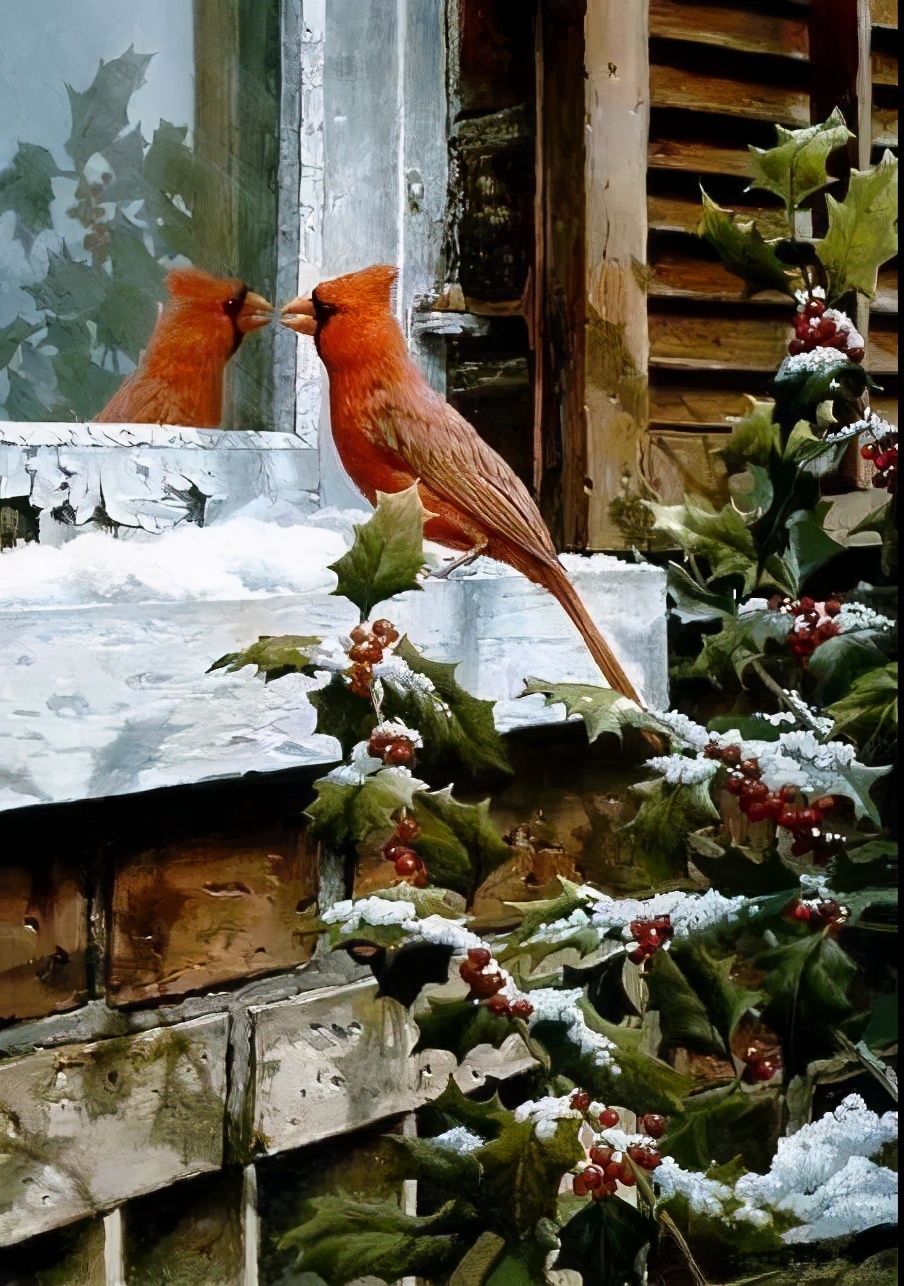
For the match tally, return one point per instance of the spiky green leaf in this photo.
(742, 250)
(387, 552)
(274, 656)
(863, 230)
(796, 166)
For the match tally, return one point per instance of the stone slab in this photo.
(86, 1127)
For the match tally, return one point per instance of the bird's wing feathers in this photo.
(449, 456)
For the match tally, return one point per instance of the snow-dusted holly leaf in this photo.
(603, 710)
(667, 815)
(70, 288)
(796, 166)
(799, 390)
(484, 1116)
(809, 984)
(863, 229)
(387, 552)
(743, 251)
(837, 664)
(535, 915)
(26, 189)
(349, 811)
(458, 842)
(869, 712)
(460, 1025)
(454, 724)
(12, 336)
(341, 1238)
(274, 655)
(521, 1171)
(101, 112)
(699, 1004)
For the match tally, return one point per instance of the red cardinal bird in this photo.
(179, 379)
(391, 429)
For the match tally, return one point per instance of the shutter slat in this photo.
(886, 300)
(718, 343)
(885, 126)
(699, 91)
(698, 156)
(884, 13)
(682, 214)
(729, 28)
(885, 68)
(694, 408)
(677, 276)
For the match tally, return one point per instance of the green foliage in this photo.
(868, 715)
(725, 1123)
(603, 1241)
(274, 655)
(699, 1005)
(862, 231)
(100, 112)
(521, 1173)
(809, 985)
(666, 817)
(721, 537)
(743, 251)
(26, 189)
(387, 553)
(603, 710)
(459, 843)
(754, 437)
(796, 167)
(347, 813)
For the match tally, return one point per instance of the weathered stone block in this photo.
(190, 916)
(86, 1127)
(43, 938)
(72, 1256)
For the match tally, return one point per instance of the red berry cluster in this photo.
(814, 623)
(391, 748)
(609, 1166)
(649, 936)
(814, 327)
(785, 807)
(883, 455)
(762, 1066)
(487, 986)
(818, 914)
(398, 850)
(366, 651)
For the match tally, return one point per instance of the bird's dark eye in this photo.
(233, 305)
(322, 309)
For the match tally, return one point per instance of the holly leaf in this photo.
(754, 437)
(840, 661)
(732, 869)
(133, 264)
(721, 1124)
(521, 1173)
(603, 1240)
(12, 336)
(101, 112)
(751, 493)
(125, 319)
(70, 288)
(868, 715)
(125, 158)
(809, 983)
(84, 386)
(341, 1238)
(862, 231)
(692, 601)
(274, 655)
(796, 166)
(454, 724)
(348, 812)
(743, 251)
(170, 172)
(458, 841)
(482, 1116)
(721, 537)
(667, 815)
(460, 1026)
(603, 710)
(387, 552)
(799, 391)
(699, 1005)
(26, 188)
(809, 546)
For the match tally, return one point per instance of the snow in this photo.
(546, 1113)
(459, 1139)
(560, 1005)
(680, 770)
(401, 913)
(703, 1195)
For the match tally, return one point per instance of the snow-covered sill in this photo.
(104, 436)
(105, 644)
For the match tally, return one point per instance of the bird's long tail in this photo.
(552, 576)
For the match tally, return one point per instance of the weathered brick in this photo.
(86, 1127)
(43, 939)
(190, 916)
(190, 1234)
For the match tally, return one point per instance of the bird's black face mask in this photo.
(232, 307)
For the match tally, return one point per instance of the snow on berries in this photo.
(649, 935)
(614, 1157)
(785, 807)
(368, 643)
(486, 982)
(819, 328)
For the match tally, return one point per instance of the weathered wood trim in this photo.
(616, 355)
(730, 28)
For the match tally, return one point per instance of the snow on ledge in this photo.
(105, 646)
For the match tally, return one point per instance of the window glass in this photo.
(127, 130)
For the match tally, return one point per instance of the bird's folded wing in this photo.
(449, 456)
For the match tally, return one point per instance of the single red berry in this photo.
(788, 817)
(608, 1189)
(580, 1100)
(498, 1005)
(750, 767)
(627, 1176)
(407, 829)
(832, 606)
(653, 1125)
(358, 634)
(408, 863)
(593, 1177)
(637, 956)
(370, 652)
(731, 756)
(399, 753)
(419, 879)
(734, 785)
(870, 450)
(827, 329)
(712, 750)
(486, 985)
(609, 1118)
(468, 971)
(600, 1155)
(756, 790)
(814, 308)
(479, 957)
(809, 817)
(578, 1186)
(801, 913)
(522, 1009)
(385, 631)
(796, 347)
(614, 1168)
(759, 812)
(762, 1070)
(393, 849)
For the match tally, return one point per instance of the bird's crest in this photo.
(369, 289)
(200, 286)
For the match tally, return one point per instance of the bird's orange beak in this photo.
(299, 316)
(255, 313)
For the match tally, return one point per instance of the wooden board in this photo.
(697, 156)
(701, 92)
(886, 300)
(87, 1127)
(192, 916)
(882, 353)
(730, 28)
(884, 68)
(718, 343)
(884, 13)
(885, 126)
(43, 939)
(694, 408)
(677, 276)
(682, 214)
